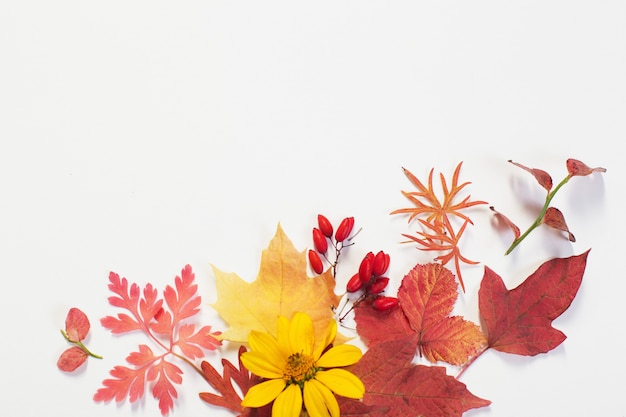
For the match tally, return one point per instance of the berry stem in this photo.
(80, 345)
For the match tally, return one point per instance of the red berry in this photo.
(344, 229)
(378, 286)
(324, 225)
(316, 262)
(319, 240)
(365, 269)
(354, 284)
(380, 264)
(385, 303)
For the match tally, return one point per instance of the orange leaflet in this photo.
(520, 320)
(164, 327)
(427, 296)
(392, 380)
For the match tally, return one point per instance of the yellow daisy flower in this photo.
(298, 370)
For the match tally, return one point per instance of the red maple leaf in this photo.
(519, 320)
(427, 296)
(391, 380)
(229, 396)
(165, 328)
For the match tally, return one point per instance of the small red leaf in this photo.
(578, 168)
(543, 178)
(76, 325)
(507, 222)
(519, 320)
(554, 218)
(71, 359)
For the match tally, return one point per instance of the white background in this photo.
(138, 137)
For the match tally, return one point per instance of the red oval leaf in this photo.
(76, 325)
(554, 218)
(71, 359)
(578, 168)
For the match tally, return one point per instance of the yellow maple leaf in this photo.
(282, 287)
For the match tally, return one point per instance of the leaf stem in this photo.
(471, 361)
(540, 217)
(80, 345)
(189, 362)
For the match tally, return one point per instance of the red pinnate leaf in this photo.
(165, 373)
(71, 359)
(411, 390)
(519, 320)
(190, 343)
(229, 398)
(183, 301)
(543, 178)
(126, 298)
(578, 168)
(554, 218)
(76, 325)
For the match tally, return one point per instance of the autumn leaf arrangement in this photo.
(293, 359)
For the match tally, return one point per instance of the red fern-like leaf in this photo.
(162, 320)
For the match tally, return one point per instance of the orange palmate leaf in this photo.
(435, 216)
(428, 203)
(427, 296)
(282, 287)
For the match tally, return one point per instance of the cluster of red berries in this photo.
(370, 279)
(322, 236)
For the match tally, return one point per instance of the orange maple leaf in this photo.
(281, 288)
(427, 296)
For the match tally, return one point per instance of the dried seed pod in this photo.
(380, 264)
(325, 226)
(378, 285)
(385, 303)
(354, 284)
(316, 262)
(319, 240)
(344, 229)
(365, 269)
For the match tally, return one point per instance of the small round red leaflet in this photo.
(344, 229)
(76, 325)
(354, 284)
(384, 303)
(316, 262)
(378, 285)
(325, 226)
(71, 359)
(319, 240)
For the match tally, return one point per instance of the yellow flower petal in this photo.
(342, 355)
(319, 401)
(267, 345)
(262, 365)
(301, 334)
(263, 393)
(288, 403)
(341, 382)
(331, 333)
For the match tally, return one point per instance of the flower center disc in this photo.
(299, 368)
